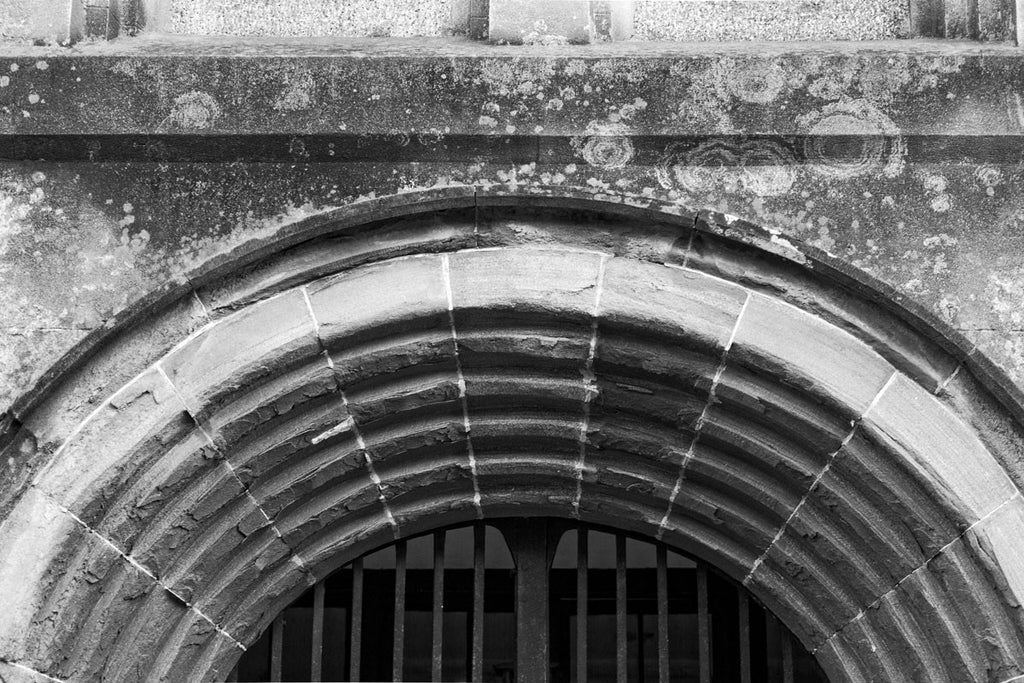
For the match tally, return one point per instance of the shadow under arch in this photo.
(432, 359)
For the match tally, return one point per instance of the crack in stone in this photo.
(356, 432)
(470, 453)
(923, 565)
(590, 389)
(30, 670)
(854, 425)
(699, 425)
(140, 567)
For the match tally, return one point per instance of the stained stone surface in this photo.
(771, 19)
(312, 17)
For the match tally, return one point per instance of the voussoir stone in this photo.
(559, 285)
(379, 299)
(672, 303)
(940, 446)
(233, 353)
(809, 354)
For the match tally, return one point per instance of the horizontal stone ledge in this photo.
(209, 87)
(713, 151)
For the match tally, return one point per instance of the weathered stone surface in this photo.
(25, 567)
(620, 235)
(683, 306)
(264, 339)
(117, 444)
(669, 131)
(400, 295)
(15, 673)
(550, 22)
(810, 355)
(865, 468)
(760, 20)
(354, 246)
(559, 285)
(311, 18)
(927, 435)
(999, 535)
(111, 367)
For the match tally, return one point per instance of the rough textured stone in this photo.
(546, 22)
(357, 306)
(313, 18)
(230, 354)
(771, 20)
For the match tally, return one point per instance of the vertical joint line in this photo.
(854, 426)
(270, 522)
(590, 390)
(371, 470)
(199, 300)
(689, 243)
(463, 399)
(942, 387)
(699, 425)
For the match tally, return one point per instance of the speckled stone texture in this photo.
(34, 19)
(771, 19)
(315, 17)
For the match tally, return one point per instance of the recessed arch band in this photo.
(369, 377)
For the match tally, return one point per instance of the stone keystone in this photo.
(556, 22)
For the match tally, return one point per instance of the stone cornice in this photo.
(450, 87)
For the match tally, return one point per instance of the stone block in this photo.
(1001, 535)
(810, 355)
(689, 308)
(258, 342)
(397, 296)
(533, 283)
(19, 673)
(31, 537)
(943, 450)
(913, 519)
(117, 445)
(30, 20)
(541, 21)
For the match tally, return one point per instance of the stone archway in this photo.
(368, 374)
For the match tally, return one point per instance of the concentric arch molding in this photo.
(430, 359)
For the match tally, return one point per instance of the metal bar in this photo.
(703, 624)
(640, 646)
(662, 614)
(398, 655)
(357, 620)
(438, 625)
(582, 604)
(276, 647)
(529, 550)
(477, 663)
(316, 665)
(621, 668)
(787, 657)
(744, 602)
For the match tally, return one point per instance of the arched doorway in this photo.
(378, 372)
(529, 599)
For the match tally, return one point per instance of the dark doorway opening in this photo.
(533, 600)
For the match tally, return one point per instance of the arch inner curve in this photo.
(685, 378)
